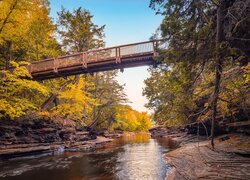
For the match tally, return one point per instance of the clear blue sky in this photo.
(127, 21)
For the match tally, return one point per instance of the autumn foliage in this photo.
(18, 93)
(27, 33)
(128, 119)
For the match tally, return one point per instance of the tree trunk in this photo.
(9, 55)
(218, 66)
(54, 97)
(96, 110)
(85, 114)
(51, 99)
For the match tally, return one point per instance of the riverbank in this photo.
(133, 156)
(35, 134)
(194, 158)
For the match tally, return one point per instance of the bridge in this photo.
(105, 59)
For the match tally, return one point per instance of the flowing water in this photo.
(130, 157)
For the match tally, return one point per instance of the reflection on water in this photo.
(130, 157)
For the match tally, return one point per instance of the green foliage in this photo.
(78, 32)
(235, 92)
(181, 89)
(171, 87)
(18, 91)
(170, 95)
(109, 94)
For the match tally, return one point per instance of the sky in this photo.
(127, 21)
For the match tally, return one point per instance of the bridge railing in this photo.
(133, 49)
(93, 56)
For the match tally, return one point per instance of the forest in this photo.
(29, 34)
(204, 70)
(83, 126)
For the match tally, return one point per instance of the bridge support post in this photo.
(29, 68)
(56, 63)
(118, 55)
(155, 46)
(84, 60)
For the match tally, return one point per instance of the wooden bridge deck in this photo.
(118, 57)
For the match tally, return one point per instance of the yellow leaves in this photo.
(17, 90)
(129, 119)
(73, 111)
(74, 100)
(20, 69)
(8, 109)
(44, 113)
(19, 80)
(27, 26)
(75, 91)
(13, 16)
(247, 73)
(14, 107)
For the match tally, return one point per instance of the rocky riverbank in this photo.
(192, 157)
(36, 134)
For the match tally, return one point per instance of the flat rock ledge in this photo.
(18, 150)
(197, 160)
(34, 135)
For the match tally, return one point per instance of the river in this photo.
(130, 157)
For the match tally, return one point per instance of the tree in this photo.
(202, 37)
(18, 92)
(221, 13)
(218, 63)
(26, 31)
(170, 94)
(128, 119)
(26, 34)
(74, 100)
(189, 35)
(10, 17)
(41, 43)
(78, 32)
(110, 94)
